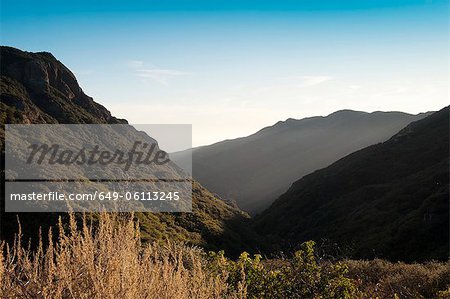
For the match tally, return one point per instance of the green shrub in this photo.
(302, 276)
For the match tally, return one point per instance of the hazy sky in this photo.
(230, 68)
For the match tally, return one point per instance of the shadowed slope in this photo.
(389, 200)
(255, 170)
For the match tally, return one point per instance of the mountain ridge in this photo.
(49, 89)
(390, 197)
(255, 169)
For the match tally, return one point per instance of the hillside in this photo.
(255, 170)
(389, 200)
(38, 89)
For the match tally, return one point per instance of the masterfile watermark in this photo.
(54, 155)
(112, 167)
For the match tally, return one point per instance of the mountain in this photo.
(36, 88)
(388, 200)
(255, 170)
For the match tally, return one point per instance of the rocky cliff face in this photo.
(36, 87)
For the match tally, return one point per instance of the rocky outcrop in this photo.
(43, 89)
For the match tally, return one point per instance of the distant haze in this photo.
(256, 169)
(230, 68)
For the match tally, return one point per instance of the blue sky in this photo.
(232, 67)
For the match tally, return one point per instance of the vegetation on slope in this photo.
(43, 90)
(213, 225)
(388, 200)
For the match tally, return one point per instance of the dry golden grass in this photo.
(107, 262)
(383, 279)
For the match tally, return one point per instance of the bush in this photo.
(301, 277)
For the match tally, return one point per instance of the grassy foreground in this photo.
(108, 260)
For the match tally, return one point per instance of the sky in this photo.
(230, 68)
